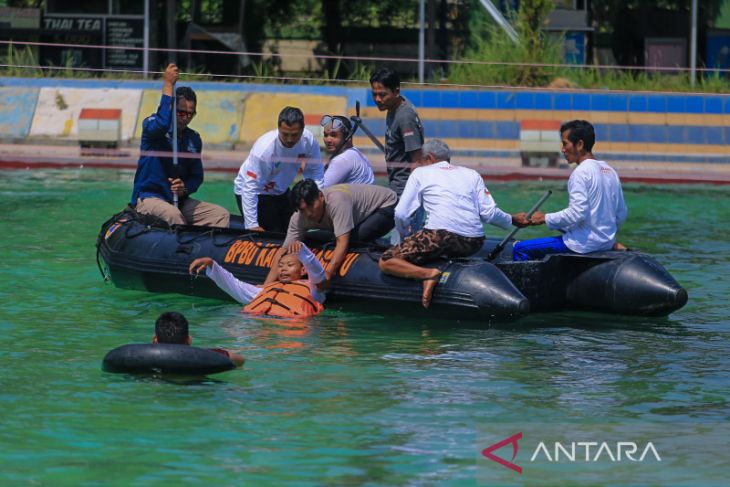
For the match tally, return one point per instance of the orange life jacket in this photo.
(285, 300)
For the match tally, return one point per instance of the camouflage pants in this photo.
(426, 245)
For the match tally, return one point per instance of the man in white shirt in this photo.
(262, 184)
(596, 208)
(456, 202)
(347, 165)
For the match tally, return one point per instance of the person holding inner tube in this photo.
(456, 202)
(354, 212)
(158, 177)
(596, 208)
(262, 184)
(347, 165)
(172, 327)
(288, 295)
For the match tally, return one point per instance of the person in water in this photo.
(596, 208)
(158, 177)
(289, 295)
(347, 165)
(172, 327)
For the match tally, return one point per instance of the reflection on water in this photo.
(343, 398)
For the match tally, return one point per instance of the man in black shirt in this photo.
(404, 131)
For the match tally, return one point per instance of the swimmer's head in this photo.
(291, 268)
(172, 327)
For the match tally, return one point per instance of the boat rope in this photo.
(181, 228)
(104, 273)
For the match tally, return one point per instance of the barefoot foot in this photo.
(429, 284)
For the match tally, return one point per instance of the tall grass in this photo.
(492, 46)
(522, 60)
(21, 63)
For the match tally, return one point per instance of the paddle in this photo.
(495, 252)
(174, 141)
(358, 123)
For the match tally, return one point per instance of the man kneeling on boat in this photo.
(158, 176)
(354, 212)
(456, 202)
(596, 208)
(288, 295)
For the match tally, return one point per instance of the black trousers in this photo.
(374, 226)
(274, 212)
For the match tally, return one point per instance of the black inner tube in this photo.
(165, 358)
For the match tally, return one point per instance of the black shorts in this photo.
(274, 212)
(377, 224)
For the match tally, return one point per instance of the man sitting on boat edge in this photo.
(288, 295)
(157, 177)
(456, 202)
(596, 208)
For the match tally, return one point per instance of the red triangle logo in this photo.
(487, 452)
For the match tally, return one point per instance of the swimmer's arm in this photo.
(315, 271)
(236, 358)
(242, 292)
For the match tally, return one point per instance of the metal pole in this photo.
(175, 197)
(146, 52)
(693, 46)
(501, 21)
(421, 38)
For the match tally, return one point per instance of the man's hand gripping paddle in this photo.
(174, 141)
(496, 251)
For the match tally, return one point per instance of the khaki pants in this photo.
(190, 212)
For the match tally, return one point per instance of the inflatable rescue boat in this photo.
(140, 253)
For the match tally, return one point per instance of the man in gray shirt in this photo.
(404, 131)
(354, 212)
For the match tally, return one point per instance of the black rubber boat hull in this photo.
(145, 257)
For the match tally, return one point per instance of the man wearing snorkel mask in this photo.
(347, 165)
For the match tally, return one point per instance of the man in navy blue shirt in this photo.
(157, 177)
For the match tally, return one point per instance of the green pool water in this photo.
(348, 399)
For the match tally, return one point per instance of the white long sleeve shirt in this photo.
(454, 198)
(596, 208)
(270, 168)
(349, 167)
(244, 292)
